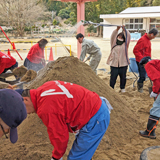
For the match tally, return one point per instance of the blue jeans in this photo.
(90, 135)
(155, 110)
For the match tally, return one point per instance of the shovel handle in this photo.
(18, 84)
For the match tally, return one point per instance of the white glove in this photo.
(153, 94)
(59, 159)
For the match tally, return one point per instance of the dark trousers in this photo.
(142, 73)
(34, 66)
(121, 71)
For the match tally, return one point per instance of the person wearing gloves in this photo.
(143, 49)
(88, 46)
(7, 62)
(152, 68)
(66, 107)
(118, 58)
(35, 58)
(12, 113)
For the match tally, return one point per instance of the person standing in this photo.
(35, 58)
(66, 107)
(143, 49)
(152, 68)
(88, 46)
(118, 58)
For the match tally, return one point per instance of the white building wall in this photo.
(107, 31)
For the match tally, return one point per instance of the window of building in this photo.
(132, 24)
(155, 23)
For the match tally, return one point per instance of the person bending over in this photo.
(35, 59)
(7, 62)
(89, 47)
(66, 107)
(152, 68)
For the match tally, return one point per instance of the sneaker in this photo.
(123, 90)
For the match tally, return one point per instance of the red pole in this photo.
(10, 42)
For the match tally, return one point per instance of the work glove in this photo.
(153, 94)
(56, 159)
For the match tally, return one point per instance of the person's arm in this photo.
(128, 35)
(139, 49)
(5, 85)
(114, 36)
(58, 133)
(156, 86)
(153, 74)
(83, 52)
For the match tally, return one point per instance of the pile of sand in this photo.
(121, 140)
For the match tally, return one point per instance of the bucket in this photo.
(133, 65)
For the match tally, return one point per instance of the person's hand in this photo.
(118, 27)
(123, 27)
(153, 94)
(10, 86)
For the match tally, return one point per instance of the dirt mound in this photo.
(29, 76)
(20, 71)
(121, 140)
(70, 69)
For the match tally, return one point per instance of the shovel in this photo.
(28, 77)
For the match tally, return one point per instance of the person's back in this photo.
(35, 54)
(73, 102)
(6, 61)
(91, 46)
(142, 48)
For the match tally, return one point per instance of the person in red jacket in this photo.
(143, 49)
(66, 107)
(35, 58)
(7, 62)
(152, 68)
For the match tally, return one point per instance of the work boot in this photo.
(151, 127)
(140, 87)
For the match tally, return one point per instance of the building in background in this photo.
(137, 20)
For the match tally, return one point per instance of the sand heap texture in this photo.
(121, 140)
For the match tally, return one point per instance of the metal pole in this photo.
(10, 42)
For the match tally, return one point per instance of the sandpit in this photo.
(121, 140)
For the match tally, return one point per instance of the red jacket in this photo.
(36, 54)
(6, 61)
(153, 71)
(64, 107)
(142, 48)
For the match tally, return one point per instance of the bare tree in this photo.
(20, 13)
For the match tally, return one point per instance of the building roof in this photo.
(135, 10)
(138, 12)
